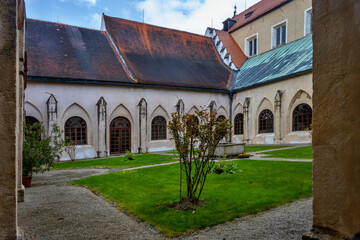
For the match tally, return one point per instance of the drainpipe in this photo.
(231, 95)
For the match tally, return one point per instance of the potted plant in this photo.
(40, 152)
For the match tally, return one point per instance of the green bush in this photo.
(40, 152)
(229, 167)
(129, 155)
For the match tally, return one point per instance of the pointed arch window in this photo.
(266, 121)
(196, 122)
(31, 120)
(302, 117)
(239, 124)
(76, 131)
(158, 128)
(220, 118)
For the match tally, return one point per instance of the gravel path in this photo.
(257, 156)
(54, 209)
(286, 222)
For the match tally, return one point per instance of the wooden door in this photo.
(120, 135)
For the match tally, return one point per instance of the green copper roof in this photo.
(289, 60)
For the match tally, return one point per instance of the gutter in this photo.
(139, 85)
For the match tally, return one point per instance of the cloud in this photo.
(189, 15)
(95, 20)
(89, 2)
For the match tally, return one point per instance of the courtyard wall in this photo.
(294, 91)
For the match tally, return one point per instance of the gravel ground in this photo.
(54, 209)
(62, 176)
(286, 222)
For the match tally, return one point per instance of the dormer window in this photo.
(227, 24)
(279, 34)
(251, 45)
(308, 21)
(248, 14)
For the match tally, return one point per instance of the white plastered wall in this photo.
(32, 111)
(121, 101)
(296, 90)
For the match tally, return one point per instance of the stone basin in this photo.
(229, 149)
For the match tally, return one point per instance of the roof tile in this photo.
(157, 55)
(279, 63)
(237, 55)
(257, 10)
(63, 51)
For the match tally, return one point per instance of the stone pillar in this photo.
(102, 127)
(336, 116)
(180, 108)
(51, 113)
(277, 120)
(212, 107)
(22, 65)
(142, 126)
(11, 24)
(229, 135)
(246, 120)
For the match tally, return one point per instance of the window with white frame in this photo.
(279, 34)
(251, 45)
(308, 21)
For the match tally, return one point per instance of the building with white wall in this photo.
(115, 89)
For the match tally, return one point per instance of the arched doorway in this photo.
(120, 135)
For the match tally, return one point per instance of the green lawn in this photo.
(261, 148)
(260, 186)
(299, 153)
(173, 152)
(119, 162)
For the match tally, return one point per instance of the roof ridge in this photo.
(65, 24)
(240, 22)
(237, 15)
(155, 26)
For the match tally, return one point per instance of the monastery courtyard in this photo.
(56, 209)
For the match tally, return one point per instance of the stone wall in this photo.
(336, 135)
(294, 91)
(10, 118)
(139, 105)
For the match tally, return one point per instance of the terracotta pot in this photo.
(26, 181)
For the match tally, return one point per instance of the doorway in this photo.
(120, 135)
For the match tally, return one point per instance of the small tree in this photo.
(196, 142)
(39, 152)
(70, 149)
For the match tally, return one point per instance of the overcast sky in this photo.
(188, 15)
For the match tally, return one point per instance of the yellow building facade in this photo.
(291, 21)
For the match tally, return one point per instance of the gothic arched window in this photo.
(31, 120)
(266, 122)
(220, 118)
(158, 128)
(196, 122)
(239, 124)
(76, 131)
(302, 117)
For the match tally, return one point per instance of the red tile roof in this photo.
(157, 55)
(62, 51)
(237, 55)
(257, 10)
